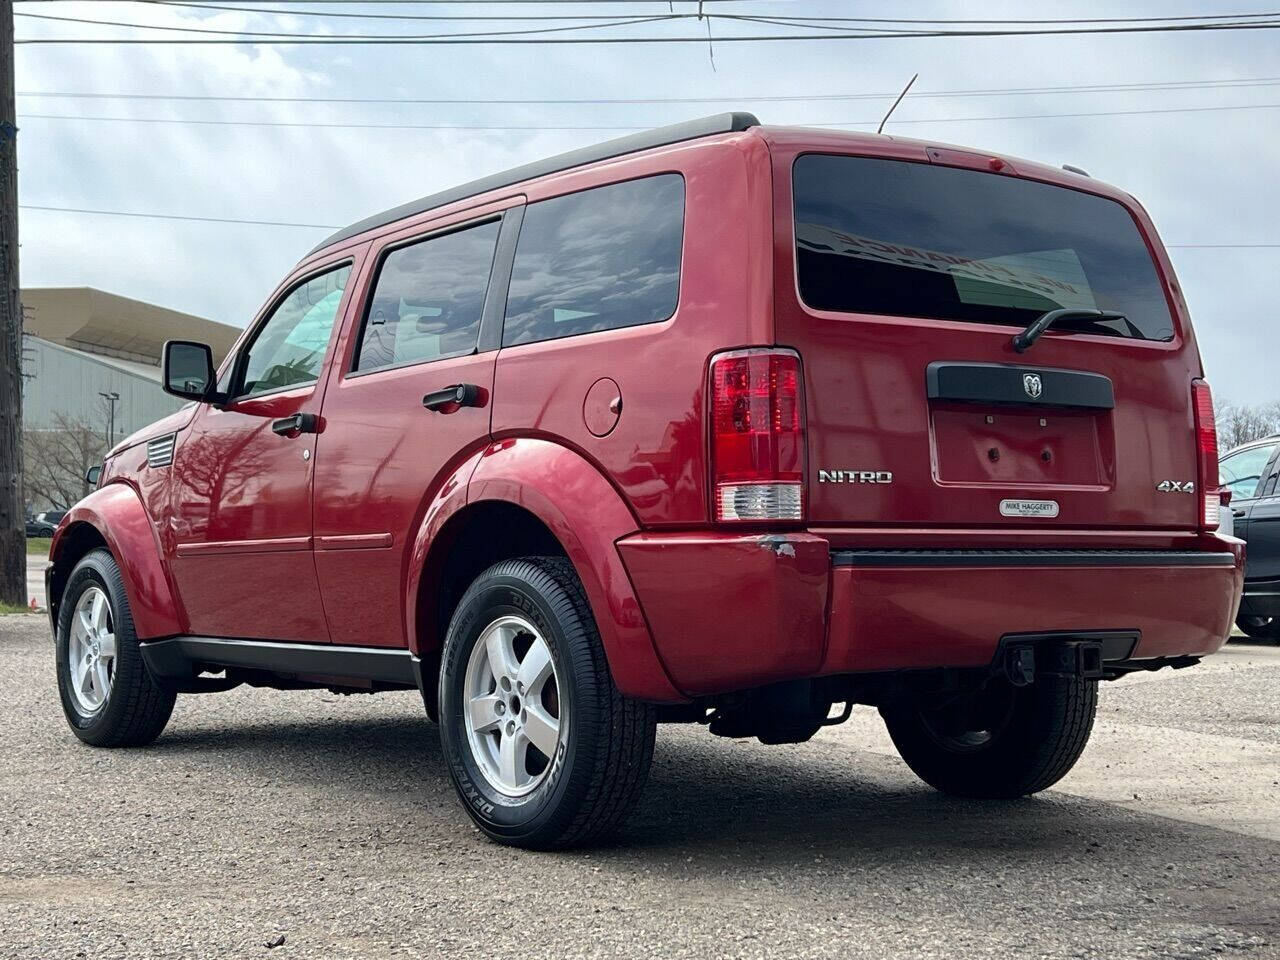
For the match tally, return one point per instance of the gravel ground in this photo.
(328, 823)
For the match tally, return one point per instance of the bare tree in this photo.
(57, 460)
(1240, 423)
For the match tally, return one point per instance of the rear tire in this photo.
(108, 695)
(1004, 742)
(542, 748)
(1259, 628)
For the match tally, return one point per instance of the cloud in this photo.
(1205, 177)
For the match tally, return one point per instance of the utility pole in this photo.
(111, 399)
(13, 546)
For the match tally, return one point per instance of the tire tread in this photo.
(1050, 731)
(621, 758)
(146, 708)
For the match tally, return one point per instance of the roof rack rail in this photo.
(632, 143)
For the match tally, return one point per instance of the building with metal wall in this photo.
(81, 343)
(91, 363)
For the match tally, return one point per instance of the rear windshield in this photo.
(919, 240)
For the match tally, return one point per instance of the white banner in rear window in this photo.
(1023, 280)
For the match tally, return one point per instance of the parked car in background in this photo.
(1252, 473)
(719, 424)
(52, 517)
(39, 528)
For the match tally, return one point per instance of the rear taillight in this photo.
(757, 435)
(1207, 450)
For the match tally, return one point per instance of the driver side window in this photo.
(290, 346)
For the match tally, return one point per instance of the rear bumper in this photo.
(728, 612)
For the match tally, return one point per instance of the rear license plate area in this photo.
(1010, 447)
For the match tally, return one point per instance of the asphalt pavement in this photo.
(326, 825)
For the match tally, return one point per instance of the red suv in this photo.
(720, 424)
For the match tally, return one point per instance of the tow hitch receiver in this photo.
(1023, 658)
(1075, 658)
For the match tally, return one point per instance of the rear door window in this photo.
(595, 260)
(906, 239)
(428, 299)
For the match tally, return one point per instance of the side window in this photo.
(597, 260)
(428, 299)
(289, 347)
(1270, 489)
(1243, 471)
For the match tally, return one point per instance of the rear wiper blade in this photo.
(1024, 340)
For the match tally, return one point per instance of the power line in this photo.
(616, 127)
(862, 32)
(1154, 86)
(1034, 20)
(460, 39)
(170, 216)
(473, 3)
(1050, 116)
(188, 4)
(610, 19)
(794, 18)
(359, 36)
(346, 15)
(325, 226)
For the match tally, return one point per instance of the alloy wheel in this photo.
(91, 650)
(512, 706)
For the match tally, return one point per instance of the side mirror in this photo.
(93, 475)
(188, 369)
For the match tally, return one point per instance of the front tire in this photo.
(542, 748)
(1003, 742)
(108, 696)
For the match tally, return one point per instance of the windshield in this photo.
(922, 240)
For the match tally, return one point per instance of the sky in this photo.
(1206, 175)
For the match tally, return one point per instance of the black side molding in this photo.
(181, 658)
(1030, 558)
(1027, 386)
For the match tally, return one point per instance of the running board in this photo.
(184, 658)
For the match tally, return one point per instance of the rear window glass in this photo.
(597, 260)
(920, 240)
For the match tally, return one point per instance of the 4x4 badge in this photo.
(1032, 384)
